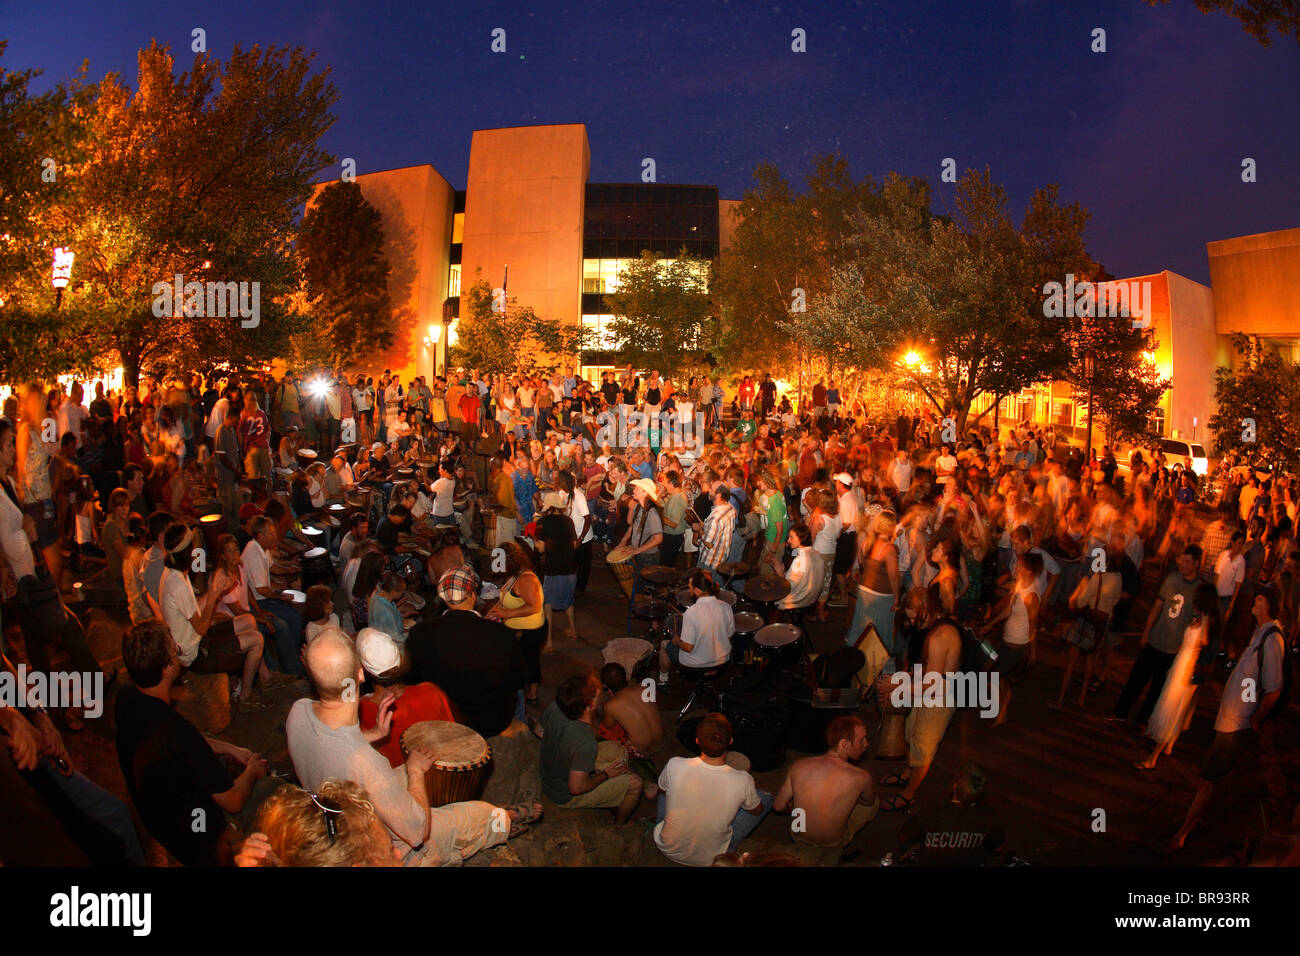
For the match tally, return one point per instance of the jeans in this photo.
(96, 804)
(742, 825)
(287, 621)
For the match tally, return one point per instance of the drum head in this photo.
(768, 588)
(211, 519)
(618, 555)
(659, 574)
(312, 531)
(685, 598)
(777, 635)
(315, 553)
(457, 746)
(297, 597)
(748, 622)
(307, 453)
(728, 596)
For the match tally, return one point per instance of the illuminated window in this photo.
(600, 276)
(453, 281)
(457, 228)
(599, 330)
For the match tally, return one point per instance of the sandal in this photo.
(893, 780)
(526, 814)
(895, 803)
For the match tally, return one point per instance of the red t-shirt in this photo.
(418, 702)
(255, 431)
(469, 408)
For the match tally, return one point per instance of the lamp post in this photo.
(447, 319)
(62, 273)
(1089, 372)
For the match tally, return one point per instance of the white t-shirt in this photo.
(70, 419)
(707, 625)
(444, 491)
(1229, 572)
(578, 510)
(257, 567)
(313, 628)
(702, 800)
(17, 549)
(179, 606)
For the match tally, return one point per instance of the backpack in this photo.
(1284, 697)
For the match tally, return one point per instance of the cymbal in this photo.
(651, 609)
(767, 588)
(733, 568)
(659, 574)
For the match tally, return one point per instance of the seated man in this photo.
(631, 719)
(256, 560)
(707, 627)
(962, 832)
(326, 742)
(382, 660)
(479, 665)
(837, 798)
(181, 789)
(577, 773)
(708, 806)
(806, 570)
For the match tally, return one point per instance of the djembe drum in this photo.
(461, 762)
(620, 565)
(893, 736)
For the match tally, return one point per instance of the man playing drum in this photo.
(326, 742)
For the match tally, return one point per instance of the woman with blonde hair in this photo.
(32, 478)
(875, 573)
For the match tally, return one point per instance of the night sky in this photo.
(1149, 136)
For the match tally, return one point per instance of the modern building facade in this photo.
(528, 221)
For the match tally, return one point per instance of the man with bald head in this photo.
(326, 742)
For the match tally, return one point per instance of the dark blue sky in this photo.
(1149, 136)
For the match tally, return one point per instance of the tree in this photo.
(514, 339)
(38, 138)
(345, 272)
(1258, 17)
(783, 254)
(663, 314)
(200, 175)
(1257, 403)
(1126, 387)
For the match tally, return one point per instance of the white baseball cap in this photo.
(379, 652)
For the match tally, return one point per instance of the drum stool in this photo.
(706, 679)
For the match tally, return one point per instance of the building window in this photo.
(453, 281)
(600, 336)
(457, 228)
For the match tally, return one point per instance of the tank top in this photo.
(1016, 630)
(827, 537)
(36, 471)
(510, 601)
(875, 576)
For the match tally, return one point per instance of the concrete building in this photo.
(1255, 280)
(529, 221)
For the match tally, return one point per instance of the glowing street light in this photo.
(912, 359)
(62, 272)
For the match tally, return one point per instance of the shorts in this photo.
(859, 817)
(557, 590)
(219, 650)
(47, 525)
(924, 728)
(257, 463)
(1225, 751)
(1012, 659)
(610, 793)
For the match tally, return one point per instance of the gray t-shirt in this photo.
(1177, 593)
(567, 745)
(320, 752)
(153, 572)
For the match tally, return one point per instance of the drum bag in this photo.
(837, 669)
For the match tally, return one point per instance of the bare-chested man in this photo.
(632, 720)
(926, 723)
(837, 798)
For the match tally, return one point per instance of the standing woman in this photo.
(31, 468)
(825, 525)
(522, 609)
(876, 577)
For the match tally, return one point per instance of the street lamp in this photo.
(448, 317)
(1089, 372)
(62, 272)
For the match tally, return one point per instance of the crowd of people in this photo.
(337, 533)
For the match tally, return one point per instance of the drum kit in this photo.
(460, 767)
(766, 591)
